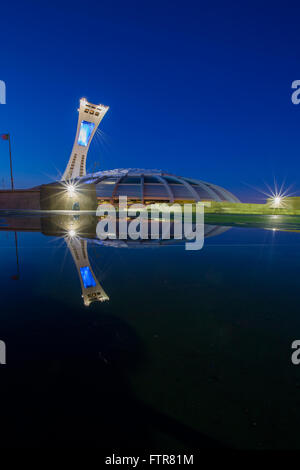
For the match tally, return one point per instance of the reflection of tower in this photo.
(90, 116)
(91, 289)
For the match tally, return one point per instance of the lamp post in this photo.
(16, 277)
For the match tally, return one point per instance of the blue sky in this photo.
(201, 89)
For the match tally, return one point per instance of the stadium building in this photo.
(80, 191)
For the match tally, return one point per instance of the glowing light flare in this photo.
(72, 233)
(277, 194)
(277, 201)
(71, 190)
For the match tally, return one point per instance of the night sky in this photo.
(200, 89)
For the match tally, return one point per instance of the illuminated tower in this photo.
(91, 289)
(90, 116)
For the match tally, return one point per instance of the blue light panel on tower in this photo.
(87, 277)
(86, 129)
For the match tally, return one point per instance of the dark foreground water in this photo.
(192, 349)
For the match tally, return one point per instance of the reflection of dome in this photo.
(153, 185)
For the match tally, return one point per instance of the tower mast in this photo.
(92, 291)
(89, 118)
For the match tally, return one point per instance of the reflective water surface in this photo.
(115, 344)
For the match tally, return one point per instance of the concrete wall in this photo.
(55, 197)
(24, 199)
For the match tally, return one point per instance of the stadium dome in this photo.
(153, 185)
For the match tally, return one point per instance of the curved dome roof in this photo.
(151, 185)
